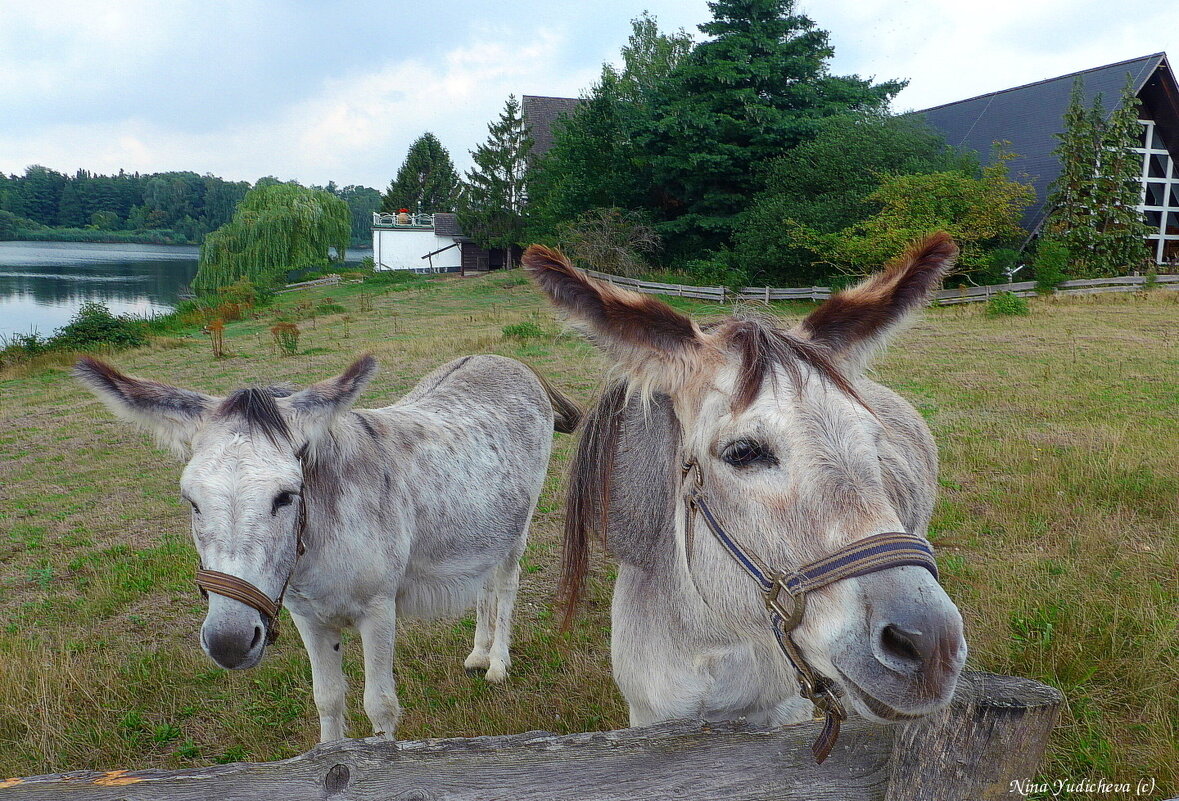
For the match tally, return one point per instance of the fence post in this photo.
(974, 750)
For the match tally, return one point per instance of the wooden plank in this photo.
(1125, 279)
(993, 732)
(682, 760)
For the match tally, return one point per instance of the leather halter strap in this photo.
(243, 591)
(785, 593)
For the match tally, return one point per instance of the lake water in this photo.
(42, 284)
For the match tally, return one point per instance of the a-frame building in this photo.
(1029, 117)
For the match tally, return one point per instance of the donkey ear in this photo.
(856, 322)
(171, 413)
(317, 406)
(654, 343)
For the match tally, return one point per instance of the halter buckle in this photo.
(791, 615)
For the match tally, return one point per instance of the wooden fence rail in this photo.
(993, 734)
(327, 280)
(944, 297)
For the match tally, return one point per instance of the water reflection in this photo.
(42, 284)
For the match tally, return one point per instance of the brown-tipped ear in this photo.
(644, 334)
(171, 413)
(857, 321)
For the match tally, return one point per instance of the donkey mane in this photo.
(256, 407)
(763, 348)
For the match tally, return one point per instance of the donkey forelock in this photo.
(255, 407)
(764, 350)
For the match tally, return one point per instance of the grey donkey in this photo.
(355, 517)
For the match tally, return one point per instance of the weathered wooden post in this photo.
(993, 733)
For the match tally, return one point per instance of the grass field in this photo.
(1056, 528)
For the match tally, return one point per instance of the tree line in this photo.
(742, 158)
(167, 207)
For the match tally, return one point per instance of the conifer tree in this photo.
(759, 86)
(426, 182)
(1094, 200)
(491, 206)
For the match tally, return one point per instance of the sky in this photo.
(336, 90)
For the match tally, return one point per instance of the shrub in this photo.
(286, 338)
(330, 308)
(717, 270)
(524, 330)
(1052, 258)
(1001, 262)
(1007, 304)
(610, 240)
(216, 331)
(94, 326)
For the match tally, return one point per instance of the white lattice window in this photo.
(1159, 202)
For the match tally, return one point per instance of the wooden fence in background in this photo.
(944, 297)
(991, 736)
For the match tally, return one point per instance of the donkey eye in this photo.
(748, 452)
(281, 500)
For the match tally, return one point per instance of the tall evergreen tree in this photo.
(594, 161)
(754, 90)
(491, 206)
(1094, 200)
(426, 181)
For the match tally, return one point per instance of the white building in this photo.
(418, 242)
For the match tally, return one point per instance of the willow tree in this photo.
(275, 228)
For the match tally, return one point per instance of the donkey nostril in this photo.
(901, 645)
(257, 637)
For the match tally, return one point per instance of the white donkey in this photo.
(767, 504)
(357, 516)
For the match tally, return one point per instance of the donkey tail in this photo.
(566, 412)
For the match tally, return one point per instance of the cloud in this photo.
(351, 129)
(338, 91)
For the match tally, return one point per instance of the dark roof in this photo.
(539, 115)
(446, 224)
(1030, 116)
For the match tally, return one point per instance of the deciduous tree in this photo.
(825, 185)
(980, 212)
(276, 228)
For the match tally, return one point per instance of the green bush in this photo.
(718, 269)
(524, 330)
(94, 326)
(1052, 259)
(1007, 304)
(330, 308)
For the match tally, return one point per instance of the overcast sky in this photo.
(319, 90)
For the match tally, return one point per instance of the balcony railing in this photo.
(402, 220)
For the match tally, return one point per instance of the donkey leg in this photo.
(506, 581)
(328, 684)
(480, 656)
(378, 629)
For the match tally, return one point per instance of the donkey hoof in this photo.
(473, 671)
(477, 663)
(496, 674)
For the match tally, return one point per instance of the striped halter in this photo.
(785, 594)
